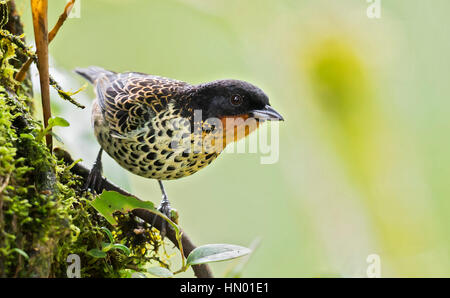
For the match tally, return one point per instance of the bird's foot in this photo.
(165, 209)
(94, 181)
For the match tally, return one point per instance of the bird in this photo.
(166, 129)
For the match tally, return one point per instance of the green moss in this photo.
(44, 216)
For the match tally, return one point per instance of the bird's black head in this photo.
(232, 98)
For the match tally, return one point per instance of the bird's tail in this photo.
(92, 73)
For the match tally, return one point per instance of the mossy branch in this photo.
(201, 271)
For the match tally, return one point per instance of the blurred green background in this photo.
(364, 157)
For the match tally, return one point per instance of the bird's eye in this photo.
(236, 100)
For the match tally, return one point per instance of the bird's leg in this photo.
(95, 180)
(164, 208)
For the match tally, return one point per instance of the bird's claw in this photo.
(94, 181)
(165, 209)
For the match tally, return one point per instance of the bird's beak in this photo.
(268, 113)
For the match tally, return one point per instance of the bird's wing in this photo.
(130, 100)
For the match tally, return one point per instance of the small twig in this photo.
(22, 73)
(39, 12)
(4, 13)
(200, 271)
(19, 43)
(32, 56)
(20, 76)
(64, 94)
(5, 183)
(62, 18)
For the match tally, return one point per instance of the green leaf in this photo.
(215, 253)
(109, 234)
(110, 201)
(122, 247)
(27, 136)
(52, 122)
(20, 252)
(58, 121)
(160, 272)
(96, 253)
(106, 246)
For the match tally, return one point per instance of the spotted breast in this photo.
(137, 119)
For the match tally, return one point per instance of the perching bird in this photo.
(166, 129)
